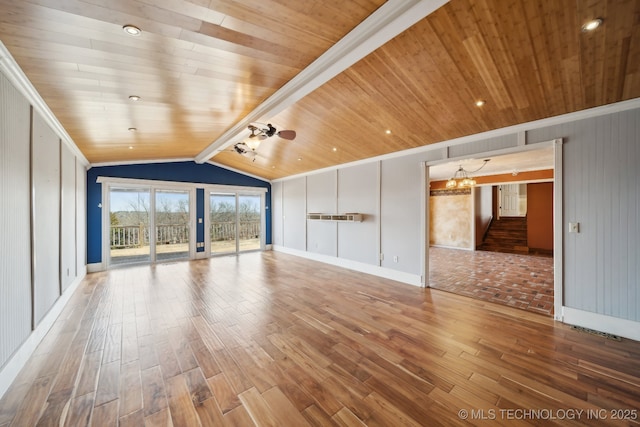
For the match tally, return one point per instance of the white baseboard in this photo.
(387, 273)
(599, 322)
(13, 367)
(95, 267)
(201, 255)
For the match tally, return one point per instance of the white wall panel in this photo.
(602, 193)
(45, 168)
(15, 242)
(321, 198)
(276, 213)
(294, 215)
(68, 258)
(358, 191)
(400, 212)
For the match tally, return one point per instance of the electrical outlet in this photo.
(395, 258)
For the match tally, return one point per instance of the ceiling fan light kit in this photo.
(259, 132)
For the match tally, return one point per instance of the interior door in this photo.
(509, 198)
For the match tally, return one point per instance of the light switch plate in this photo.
(574, 227)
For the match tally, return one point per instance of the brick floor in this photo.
(522, 281)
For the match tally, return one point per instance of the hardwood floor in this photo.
(275, 340)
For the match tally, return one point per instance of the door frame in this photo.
(111, 182)
(558, 219)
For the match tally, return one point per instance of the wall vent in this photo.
(594, 332)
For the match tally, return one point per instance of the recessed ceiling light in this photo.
(334, 149)
(480, 103)
(130, 147)
(388, 131)
(299, 158)
(132, 129)
(134, 97)
(132, 30)
(592, 25)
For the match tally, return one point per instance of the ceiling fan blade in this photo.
(287, 134)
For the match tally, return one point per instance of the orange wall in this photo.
(502, 178)
(540, 215)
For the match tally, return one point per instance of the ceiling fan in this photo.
(259, 132)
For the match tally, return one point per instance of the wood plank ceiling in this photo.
(202, 66)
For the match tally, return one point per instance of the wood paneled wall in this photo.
(601, 156)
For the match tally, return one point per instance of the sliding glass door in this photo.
(222, 223)
(172, 225)
(250, 221)
(149, 224)
(129, 225)
(235, 222)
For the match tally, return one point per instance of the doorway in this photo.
(522, 278)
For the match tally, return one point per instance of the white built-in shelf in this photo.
(345, 217)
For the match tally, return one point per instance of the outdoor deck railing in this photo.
(132, 236)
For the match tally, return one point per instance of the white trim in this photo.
(523, 127)
(14, 73)
(387, 273)
(424, 223)
(245, 173)
(95, 267)
(12, 368)
(602, 323)
(558, 228)
(140, 162)
(389, 20)
(176, 184)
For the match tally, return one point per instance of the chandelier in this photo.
(462, 178)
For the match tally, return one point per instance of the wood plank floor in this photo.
(275, 340)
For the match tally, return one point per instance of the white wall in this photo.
(358, 192)
(42, 222)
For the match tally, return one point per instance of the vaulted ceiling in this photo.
(205, 69)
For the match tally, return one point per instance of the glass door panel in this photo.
(222, 223)
(129, 229)
(249, 219)
(172, 225)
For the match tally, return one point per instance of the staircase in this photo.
(507, 234)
